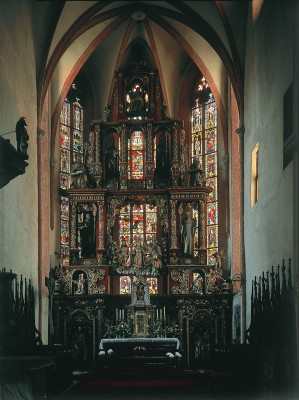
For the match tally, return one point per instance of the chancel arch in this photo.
(133, 214)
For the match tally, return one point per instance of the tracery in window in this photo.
(204, 145)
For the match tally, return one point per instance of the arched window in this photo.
(136, 155)
(204, 145)
(71, 151)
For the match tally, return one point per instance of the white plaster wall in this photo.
(268, 73)
(19, 199)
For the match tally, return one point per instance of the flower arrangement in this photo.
(172, 330)
(121, 330)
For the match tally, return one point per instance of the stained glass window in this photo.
(204, 145)
(138, 221)
(153, 285)
(136, 155)
(71, 150)
(125, 285)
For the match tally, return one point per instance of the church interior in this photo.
(149, 199)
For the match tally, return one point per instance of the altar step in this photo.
(163, 373)
(152, 384)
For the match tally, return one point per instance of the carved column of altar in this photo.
(183, 158)
(74, 252)
(101, 233)
(149, 164)
(123, 157)
(98, 168)
(175, 167)
(173, 226)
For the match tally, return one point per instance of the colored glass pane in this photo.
(64, 232)
(65, 181)
(151, 223)
(125, 285)
(137, 164)
(78, 117)
(210, 115)
(64, 250)
(211, 142)
(65, 114)
(65, 161)
(197, 144)
(78, 141)
(212, 213)
(210, 254)
(65, 137)
(211, 165)
(212, 236)
(124, 224)
(196, 119)
(153, 285)
(137, 223)
(212, 183)
(64, 207)
(150, 238)
(126, 238)
(137, 208)
(137, 140)
(150, 208)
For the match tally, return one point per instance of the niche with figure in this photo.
(86, 220)
(79, 282)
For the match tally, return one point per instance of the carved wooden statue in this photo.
(22, 136)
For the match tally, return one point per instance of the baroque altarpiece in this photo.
(139, 226)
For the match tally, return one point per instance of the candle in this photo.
(157, 314)
(119, 315)
(161, 313)
(123, 315)
(164, 313)
(116, 315)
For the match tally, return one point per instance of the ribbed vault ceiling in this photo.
(95, 35)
